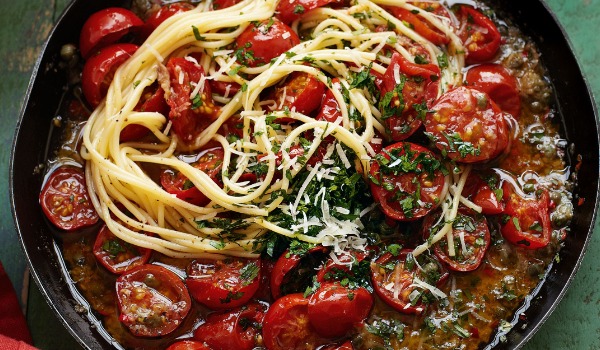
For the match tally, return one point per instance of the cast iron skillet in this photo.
(574, 103)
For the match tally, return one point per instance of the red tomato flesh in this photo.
(527, 220)
(188, 345)
(117, 255)
(499, 84)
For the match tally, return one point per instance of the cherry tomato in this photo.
(222, 4)
(210, 162)
(479, 35)
(106, 27)
(527, 220)
(290, 10)
(499, 84)
(482, 188)
(345, 346)
(223, 284)
(153, 301)
(394, 278)
(287, 327)
(403, 116)
(330, 108)
(263, 41)
(99, 70)
(293, 272)
(473, 228)
(117, 255)
(407, 180)
(301, 92)
(188, 345)
(65, 200)
(343, 266)
(467, 126)
(334, 310)
(152, 100)
(237, 329)
(190, 116)
(224, 88)
(420, 25)
(163, 13)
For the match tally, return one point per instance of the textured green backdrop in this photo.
(23, 27)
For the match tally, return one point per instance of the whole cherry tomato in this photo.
(467, 126)
(334, 310)
(407, 180)
(153, 301)
(163, 13)
(65, 200)
(287, 327)
(222, 4)
(210, 162)
(479, 35)
(263, 41)
(117, 255)
(223, 284)
(99, 70)
(526, 222)
(238, 329)
(499, 84)
(188, 345)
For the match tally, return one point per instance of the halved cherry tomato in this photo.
(99, 70)
(407, 180)
(293, 272)
(393, 279)
(345, 346)
(483, 189)
(209, 161)
(224, 88)
(334, 310)
(499, 84)
(163, 13)
(106, 27)
(330, 108)
(223, 284)
(404, 114)
(467, 126)
(65, 200)
(153, 301)
(345, 262)
(188, 345)
(301, 92)
(222, 4)
(237, 329)
(479, 35)
(152, 100)
(527, 220)
(290, 10)
(263, 41)
(473, 228)
(190, 115)
(287, 327)
(117, 255)
(420, 25)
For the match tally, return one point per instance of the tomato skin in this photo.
(169, 10)
(402, 185)
(287, 327)
(460, 262)
(188, 345)
(479, 35)
(106, 27)
(328, 271)
(100, 68)
(222, 4)
(127, 256)
(499, 84)
(152, 100)
(232, 330)
(65, 200)
(479, 192)
(264, 41)
(345, 346)
(290, 10)
(210, 162)
(303, 93)
(330, 108)
(218, 284)
(527, 221)
(471, 120)
(334, 310)
(157, 293)
(421, 86)
(220, 87)
(420, 25)
(284, 266)
(189, 120)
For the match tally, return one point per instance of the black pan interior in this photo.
(574, 104)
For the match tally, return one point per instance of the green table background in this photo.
(24, 25)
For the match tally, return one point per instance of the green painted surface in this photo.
(23, 25)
